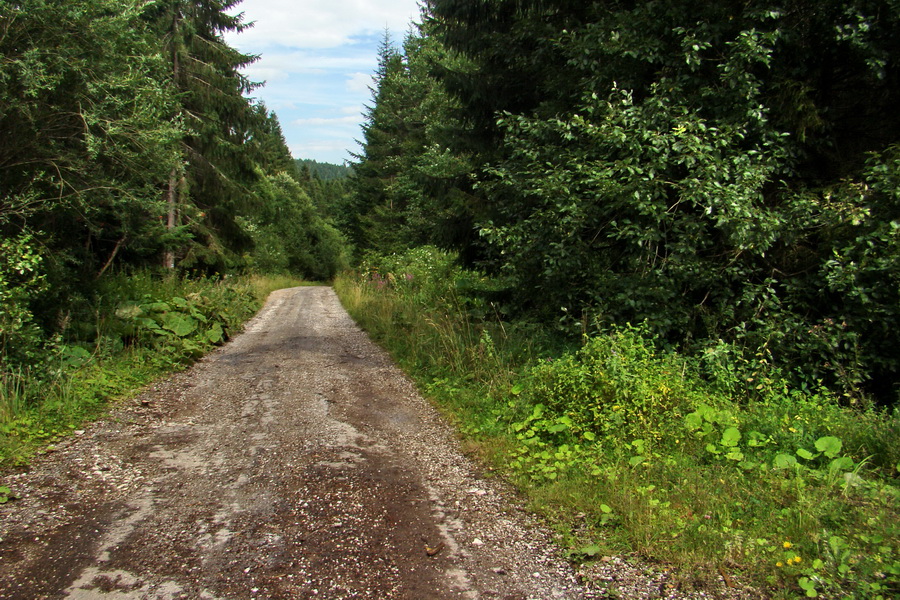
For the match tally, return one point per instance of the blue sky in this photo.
(318, 57)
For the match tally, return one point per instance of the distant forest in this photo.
(324, 171)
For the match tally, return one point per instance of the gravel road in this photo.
(294, 462)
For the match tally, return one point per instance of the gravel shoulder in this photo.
(295, 462)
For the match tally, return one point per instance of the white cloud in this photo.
(334, 151)
(351, 120)
(359, 82)
(318, 57)
(322, 23)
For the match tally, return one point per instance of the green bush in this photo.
(700, 462)
(722, 477)
(22, 280)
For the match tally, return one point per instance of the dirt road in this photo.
(295, 462)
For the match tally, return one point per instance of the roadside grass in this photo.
(132, 330)
(630, 449)
(263, 285)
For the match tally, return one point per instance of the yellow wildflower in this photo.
(787, 545)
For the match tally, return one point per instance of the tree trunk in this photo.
(172, 201)
(172, 193)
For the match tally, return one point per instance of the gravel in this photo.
(295, 462)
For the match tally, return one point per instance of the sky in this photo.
(317, 61)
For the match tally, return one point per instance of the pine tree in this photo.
(380, 145)
(211, 186)
(84, 127)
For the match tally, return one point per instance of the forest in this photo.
(646, 254)
(129, 142)
(726, 174)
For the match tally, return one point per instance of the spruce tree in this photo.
(211, 186)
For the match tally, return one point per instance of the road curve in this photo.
(295, 462)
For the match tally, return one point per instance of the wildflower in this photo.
(779, 564)
(787, 545)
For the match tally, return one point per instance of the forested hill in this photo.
(324, 171)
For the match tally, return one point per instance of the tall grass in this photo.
(628, 448)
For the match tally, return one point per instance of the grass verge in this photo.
(631, 449)
(132, 331)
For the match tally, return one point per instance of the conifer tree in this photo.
(377, 167)
(211, 185)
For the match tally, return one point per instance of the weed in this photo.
(703, 462)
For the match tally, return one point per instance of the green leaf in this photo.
(605, 509)
(805, 454)
(784, 461)
(149, 323)
(829, 445)
(129, 311)
(179, 324)
(215, 334)
(589, 436)
(636, 460)
(157, 307)
(844, 463)
(731, 437)
(693, 421)
(808, 586)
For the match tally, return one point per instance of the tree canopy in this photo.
(725, 172)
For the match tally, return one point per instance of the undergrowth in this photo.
(703, 463)
(126, 333)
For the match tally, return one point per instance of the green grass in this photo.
(627, 448)
(109, 350)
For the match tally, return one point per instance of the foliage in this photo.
(657, 453)
(790, 466)
(405, 188)
(127, 142)
(208, 188)
(320, 170)
(290, 236)
(21, 279)
(87, 130)
(712, 171)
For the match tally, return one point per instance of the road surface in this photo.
(295, 462)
